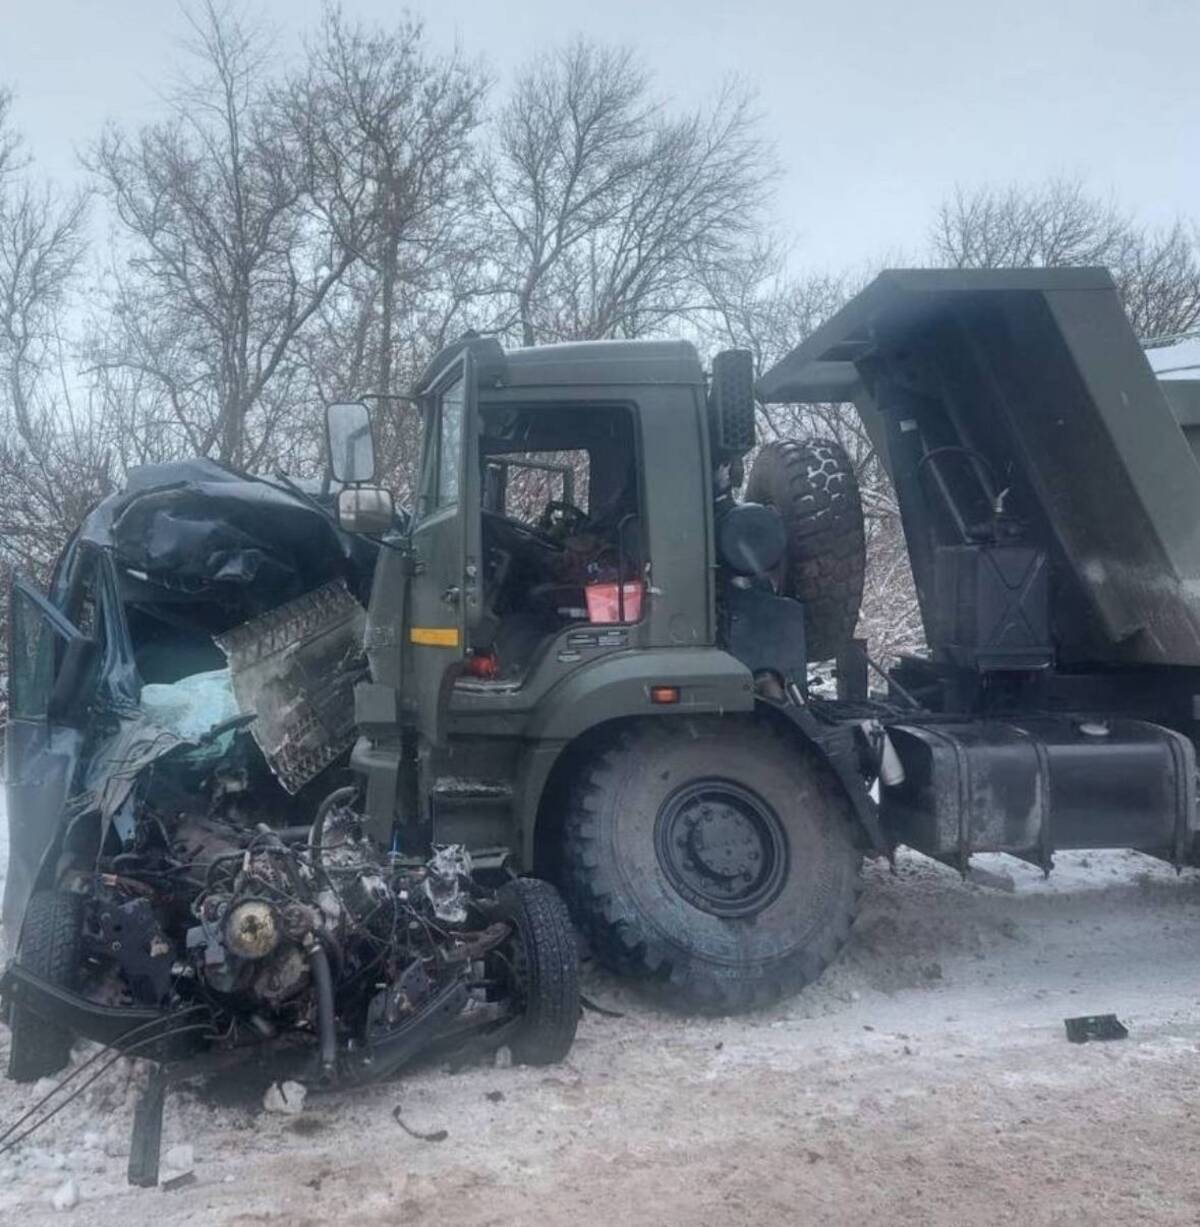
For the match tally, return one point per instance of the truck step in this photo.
(452, 790)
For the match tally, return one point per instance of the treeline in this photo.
(288, 233)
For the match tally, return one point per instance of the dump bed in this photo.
(1030, 381)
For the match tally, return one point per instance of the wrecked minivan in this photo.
(189, 876)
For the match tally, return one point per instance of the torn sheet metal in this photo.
(295, 669)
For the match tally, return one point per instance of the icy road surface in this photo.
(925, 1080)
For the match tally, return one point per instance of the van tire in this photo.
(50, 946)
(547, 962)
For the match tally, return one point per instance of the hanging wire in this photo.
(115, 1051)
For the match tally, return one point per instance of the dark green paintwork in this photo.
(1040, 372)
(486, 748)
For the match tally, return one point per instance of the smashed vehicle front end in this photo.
(190, 877)
(106, 671)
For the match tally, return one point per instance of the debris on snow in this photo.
(504, 1058)
(181, 1158)
(437, 1135)
(1095, 1027)
(66, 1196)
(285, 1098)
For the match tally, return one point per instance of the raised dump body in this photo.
(1018, 406)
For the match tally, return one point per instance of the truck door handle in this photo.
(452, 595)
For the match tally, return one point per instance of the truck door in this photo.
(444, 595)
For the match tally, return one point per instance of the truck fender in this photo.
(617, 687)
(835, 744)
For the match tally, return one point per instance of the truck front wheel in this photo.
(713, 858)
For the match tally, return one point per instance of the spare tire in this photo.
(813, 487)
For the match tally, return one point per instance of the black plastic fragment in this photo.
(1095, 1027)
(146, 1141)
(438, 1135)
(588, 1004)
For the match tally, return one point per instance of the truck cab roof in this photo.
(573, 363)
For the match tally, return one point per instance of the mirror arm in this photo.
(304, 496)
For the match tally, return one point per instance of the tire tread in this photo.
(49, 947)
(631, 948)
(812, 484)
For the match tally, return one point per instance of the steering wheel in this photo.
(506, 531)
(562, 518)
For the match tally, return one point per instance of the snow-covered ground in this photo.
(926, 1079)
(3, 851)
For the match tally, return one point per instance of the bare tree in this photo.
(224, 263)
(42, 246)
(1059, 223)
(54, 456)
(605, 207)
(387, 127)
(42, 243)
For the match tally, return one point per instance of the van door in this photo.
(43, 738)
(444, 590)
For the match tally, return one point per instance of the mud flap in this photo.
(294, 669)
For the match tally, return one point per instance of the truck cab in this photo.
(582, 627)
(557, 576)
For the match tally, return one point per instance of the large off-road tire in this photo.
(50, 947)
(546, 969)
(712, 857)
(813, 487)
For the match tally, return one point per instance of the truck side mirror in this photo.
(365, 509)
(351, 443)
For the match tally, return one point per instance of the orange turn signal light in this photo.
(664, 694)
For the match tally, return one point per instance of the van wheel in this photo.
(812, 485)
(712, 858)
(50, 947)
(543, 961)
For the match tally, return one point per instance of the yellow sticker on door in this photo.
(435, 636)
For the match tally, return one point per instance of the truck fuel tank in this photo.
(1028, 787)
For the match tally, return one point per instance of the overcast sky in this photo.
(878, 107)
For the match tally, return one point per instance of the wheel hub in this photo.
(722, 847)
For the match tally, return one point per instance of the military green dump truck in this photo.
(608, 684)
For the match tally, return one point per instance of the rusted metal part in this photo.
(478, 944)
